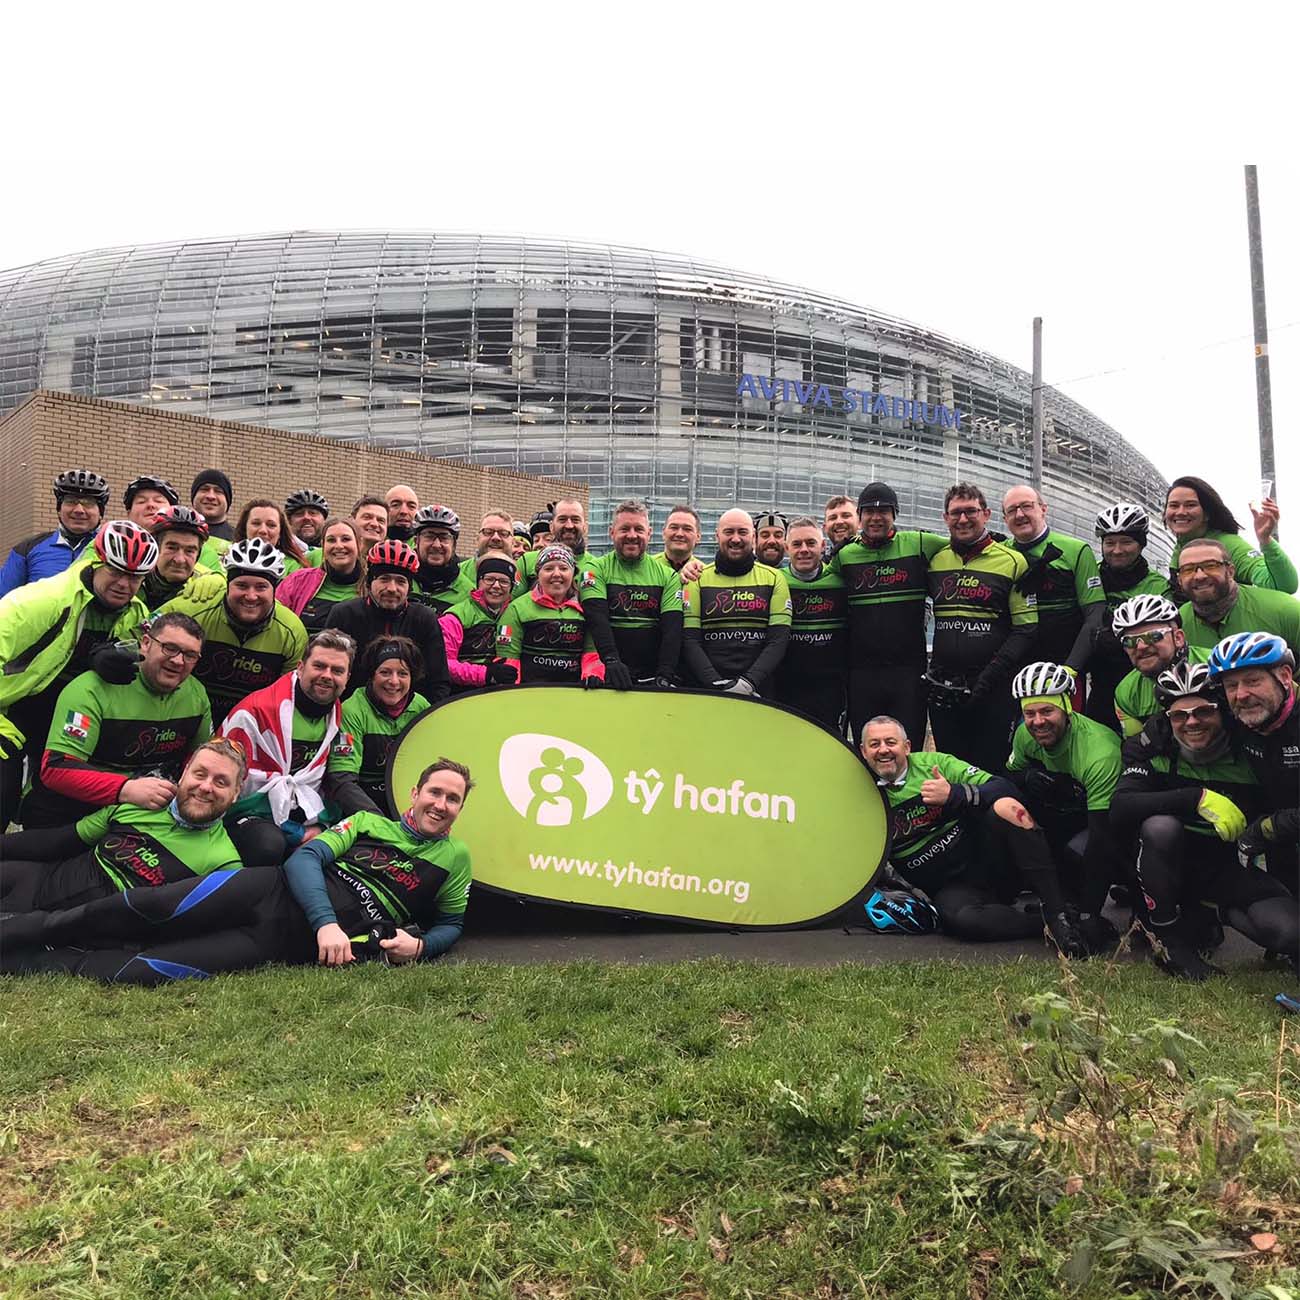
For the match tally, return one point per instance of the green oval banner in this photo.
(682, 804)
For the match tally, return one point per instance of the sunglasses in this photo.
(1197, 713)
(1135, 639)
(1210, 567)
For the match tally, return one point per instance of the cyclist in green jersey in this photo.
(48, 630)
(249, 639)
(984, 629)
(180, 533)
(212, 495)
(1123, 529)
(1186, 793)
(118, 744)
(1063, 576)
(839, 522)
(737, 623)
(633, 605)
(397, 888)
(374, 716)
(963, 838)
(469, 629)
(1218, 607)
(1066, 767)
(307, 510)
(1150, 633)
(681, 536)
(568, 528)
(814, 673)
(886, 574)
(440, 582)
(1195, 511)
(313, 591)
(769, 539)
(520, 538)
(544, 635)
(124, 846)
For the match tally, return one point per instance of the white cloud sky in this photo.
(967, 168)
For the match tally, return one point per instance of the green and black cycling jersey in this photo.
(440, 589)
(366, 739)
(478, 627)
(1064, 578)
(545, 641)
(1089, 752)
(978, 608)
(886, 588)
(1256, 609)
(736, 624)
(818, 644)
(142, 846)
(642, 602)
(1158, 778)
(316, 611)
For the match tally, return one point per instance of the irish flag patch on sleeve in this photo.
(505, 634)
(77, 725)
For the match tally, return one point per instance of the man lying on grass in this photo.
(396, 889)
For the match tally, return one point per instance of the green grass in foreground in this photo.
(713, 1129)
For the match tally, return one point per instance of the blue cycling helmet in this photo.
(896, 911)
(1249, 650)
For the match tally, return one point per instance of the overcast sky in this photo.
(967, 170)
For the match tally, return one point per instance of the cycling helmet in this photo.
(1124, 517)
(391, 557)
(152, 483)
(305, 499)
(1249, 650)
(436, 517)
(520, 529)
(770, 519)
(1146, 608)
(541, 523)
(253, 558)
(179, 519)
(897, 911)
(126, 547)
(1183, 679)
(82, 482)
(1042, 678)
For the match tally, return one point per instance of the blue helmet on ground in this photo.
(1249, 650)
(897, 911)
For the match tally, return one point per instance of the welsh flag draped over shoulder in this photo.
(263, 724)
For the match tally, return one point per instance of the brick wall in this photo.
(52, 431)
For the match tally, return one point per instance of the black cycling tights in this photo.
(1177, 868)
(227, 920)
(968, 912)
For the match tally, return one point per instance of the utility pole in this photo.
(1036, 457)
(1263, 385)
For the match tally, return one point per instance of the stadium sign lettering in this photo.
(769, 388)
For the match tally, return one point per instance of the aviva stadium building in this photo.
(641, 373)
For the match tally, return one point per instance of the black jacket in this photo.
(365, 622)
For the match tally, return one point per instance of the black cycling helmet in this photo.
(305, 499)
(435, 517)
(81, 482)
(149, 482)
(541, 523)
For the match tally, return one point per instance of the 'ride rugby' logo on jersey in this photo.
(551, 781)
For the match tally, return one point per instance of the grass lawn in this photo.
(710, 1129)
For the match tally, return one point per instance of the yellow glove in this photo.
(203, 586)
(11, 739)
(1227, 819)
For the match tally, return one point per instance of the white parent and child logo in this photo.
(551, 781)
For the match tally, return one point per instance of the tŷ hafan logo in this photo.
(555, 782)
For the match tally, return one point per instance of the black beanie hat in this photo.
(218, 479)
(878, 494)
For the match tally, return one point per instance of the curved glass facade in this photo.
(641, 373)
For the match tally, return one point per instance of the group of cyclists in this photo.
(196, 715)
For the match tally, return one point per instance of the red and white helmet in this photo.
(126, 547)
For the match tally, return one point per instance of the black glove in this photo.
(980, 691)
(618, 675)
(943, 697)
(116, 662)
(1064, 929)
(591, 683)
(500, 673)
(665, 684)
(1055, 791)
(1097, 933)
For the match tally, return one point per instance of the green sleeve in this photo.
(1127, 708)
(341, 836)
(691, 604)
(1024, 609)
(591, 580)
(957, 771)
(1020, 754)
(1281, 572)
(453, 897)
(510, 632)
(348, 759)
(1087, 578)
(78, 712)
(932, 544)
(782, 612)
(1101, 775)
(1251, 569)
(91, 828)
(297, 646)
(671, 600)
(204, 733)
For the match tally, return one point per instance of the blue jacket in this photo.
(42, 556)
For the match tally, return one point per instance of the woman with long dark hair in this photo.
(265, 519)
(1194, 510)
(313, 591)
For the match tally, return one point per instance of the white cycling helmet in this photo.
(1124, 517)
(253, 558)
(126, 547)
(1042, 679)
(1146, 608)
(1182, 679)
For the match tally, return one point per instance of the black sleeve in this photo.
(696, 660)
(769, 658)
(47, 845)
(1081, 650)
(1011, 656)
(437, 682)
(670, 642)
(344, 789)
(968, 794)
(1103, 864)
(595, 610)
